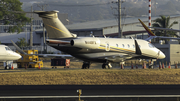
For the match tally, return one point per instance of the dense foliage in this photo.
(164, 22)
(9, 17)
(22, 43)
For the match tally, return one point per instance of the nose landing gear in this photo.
(106, 66)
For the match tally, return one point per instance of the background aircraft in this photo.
(6, 55)
(152, 35)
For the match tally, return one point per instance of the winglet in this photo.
(147, 29)
(19, 50)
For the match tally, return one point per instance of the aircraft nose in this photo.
(161, 55)
(18, 56)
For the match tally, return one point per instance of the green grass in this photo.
(90, 77)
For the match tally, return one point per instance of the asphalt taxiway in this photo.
(90, 90)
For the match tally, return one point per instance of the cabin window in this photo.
(116, 45)
(128, 46)
(139, 46)
(133, 46)
(123, 45)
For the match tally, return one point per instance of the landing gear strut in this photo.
(106, 66)
(85, 65)
(152, 63)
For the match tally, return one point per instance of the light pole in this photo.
(31, 33)
(119, 19)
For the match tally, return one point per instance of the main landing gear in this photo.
(85, 65)
(106, 66)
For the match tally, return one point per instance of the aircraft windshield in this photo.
(151, 45)
(7, 48)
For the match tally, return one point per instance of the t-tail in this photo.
(53, 25)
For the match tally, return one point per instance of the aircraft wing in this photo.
(42, 55)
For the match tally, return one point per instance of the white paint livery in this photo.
(93, 49)
(6, 54)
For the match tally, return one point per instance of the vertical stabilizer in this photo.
(147, 29)
(53, 25)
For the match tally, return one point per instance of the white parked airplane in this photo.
(6, 54)
(94, 49)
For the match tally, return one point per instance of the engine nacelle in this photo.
(87, 43)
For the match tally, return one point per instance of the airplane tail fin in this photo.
(151, 34)
(53, 25)
(147, 29)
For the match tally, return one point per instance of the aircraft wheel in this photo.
(85, 66)
(5, 67)
(151, 67)
(105, 66)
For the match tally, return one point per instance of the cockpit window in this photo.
(7, 48)
(151, 45)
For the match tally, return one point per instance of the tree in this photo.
(164, 22)
(22, 43)
(9, 17)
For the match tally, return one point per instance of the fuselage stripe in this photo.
(124, 50)
(56, 28)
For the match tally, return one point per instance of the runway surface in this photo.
(90, 90)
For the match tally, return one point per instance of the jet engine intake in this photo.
(87, 43)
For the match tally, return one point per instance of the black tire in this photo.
(83, 66)
(105, 66)
(87, 66)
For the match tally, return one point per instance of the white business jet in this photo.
(95, 49)
(6, 54)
